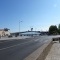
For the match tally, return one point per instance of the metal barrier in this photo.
(56, 39)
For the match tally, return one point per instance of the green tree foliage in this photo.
(59, 28)
(53, 30)
(6, 29)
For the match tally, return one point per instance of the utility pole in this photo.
(19, 27)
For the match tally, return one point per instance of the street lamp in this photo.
(19, 26)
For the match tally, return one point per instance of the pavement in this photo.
(20, 49)
(54, 53)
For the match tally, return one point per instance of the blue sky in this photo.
(39, 14)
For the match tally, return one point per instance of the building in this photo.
(4, 32)
(44, 33)
(31, 33)
(27, 33)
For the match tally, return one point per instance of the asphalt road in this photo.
(19, 49)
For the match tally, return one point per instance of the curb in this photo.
(40, 53)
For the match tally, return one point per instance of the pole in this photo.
(19, 28)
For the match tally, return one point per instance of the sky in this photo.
(36, 14)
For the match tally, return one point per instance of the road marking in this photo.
(18, 44)
(6, 41)
(36, 40)
(14, 45)
(46, 41)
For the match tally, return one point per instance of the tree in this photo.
(53, 30)
(6, 29)
(59, 28)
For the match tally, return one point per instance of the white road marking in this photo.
(36, 40)
(14, 45)
(18, 44)
(6, 41)
(46, 40)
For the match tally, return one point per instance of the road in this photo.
(19, 49)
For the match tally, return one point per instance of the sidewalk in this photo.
(20, 37)
(54, 53)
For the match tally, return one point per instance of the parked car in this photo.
(10, 36)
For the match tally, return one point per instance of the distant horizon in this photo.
(30, 29)
(38, 14)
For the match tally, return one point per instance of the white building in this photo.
(27, 33)
(30, 33)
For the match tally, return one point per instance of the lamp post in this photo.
(19, 27)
